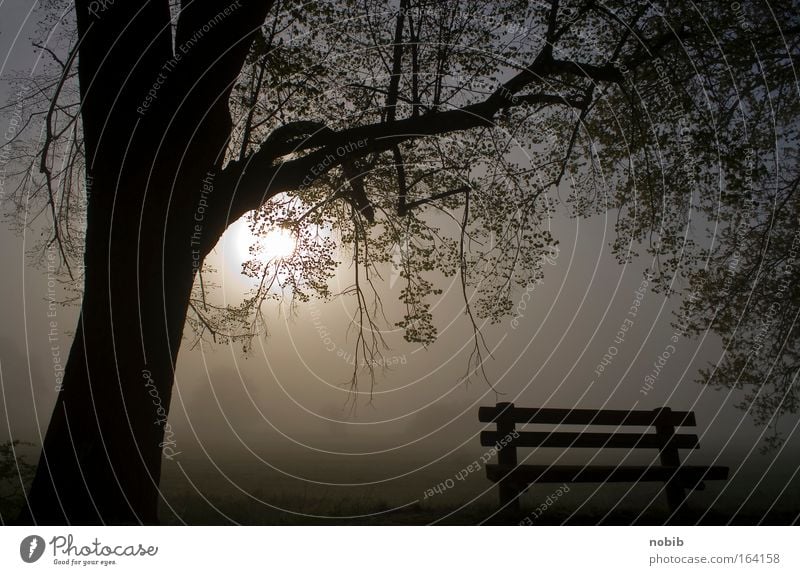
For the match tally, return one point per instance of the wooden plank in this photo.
(550, 416)
(689, 475)
(591, 440)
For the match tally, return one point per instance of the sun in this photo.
(275, 245)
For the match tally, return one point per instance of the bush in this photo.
(16, 475)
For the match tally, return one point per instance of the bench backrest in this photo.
(507, 416)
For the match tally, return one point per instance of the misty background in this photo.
(279, 429)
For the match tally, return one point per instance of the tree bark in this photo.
(152, 217)
(101, 460)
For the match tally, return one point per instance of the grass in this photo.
(368, 511)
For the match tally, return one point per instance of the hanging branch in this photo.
(44, 168)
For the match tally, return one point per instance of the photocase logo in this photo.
(31, 548)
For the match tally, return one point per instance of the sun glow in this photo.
(275, 245)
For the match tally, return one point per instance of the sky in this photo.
(278, 428)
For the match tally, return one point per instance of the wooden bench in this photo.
(513, 478)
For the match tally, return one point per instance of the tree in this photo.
(439, 130)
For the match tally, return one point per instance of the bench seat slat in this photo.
(525, 474)
(549, 416)
(589, 440)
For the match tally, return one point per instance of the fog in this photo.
(281, 427)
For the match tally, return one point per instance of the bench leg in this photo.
(507, 456)
(509, 496)
(676, 494)
(670, 456)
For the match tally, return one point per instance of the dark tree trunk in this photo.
(103, 450)
(152, 216)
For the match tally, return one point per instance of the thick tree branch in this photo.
(212, 41)
(261, 177)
